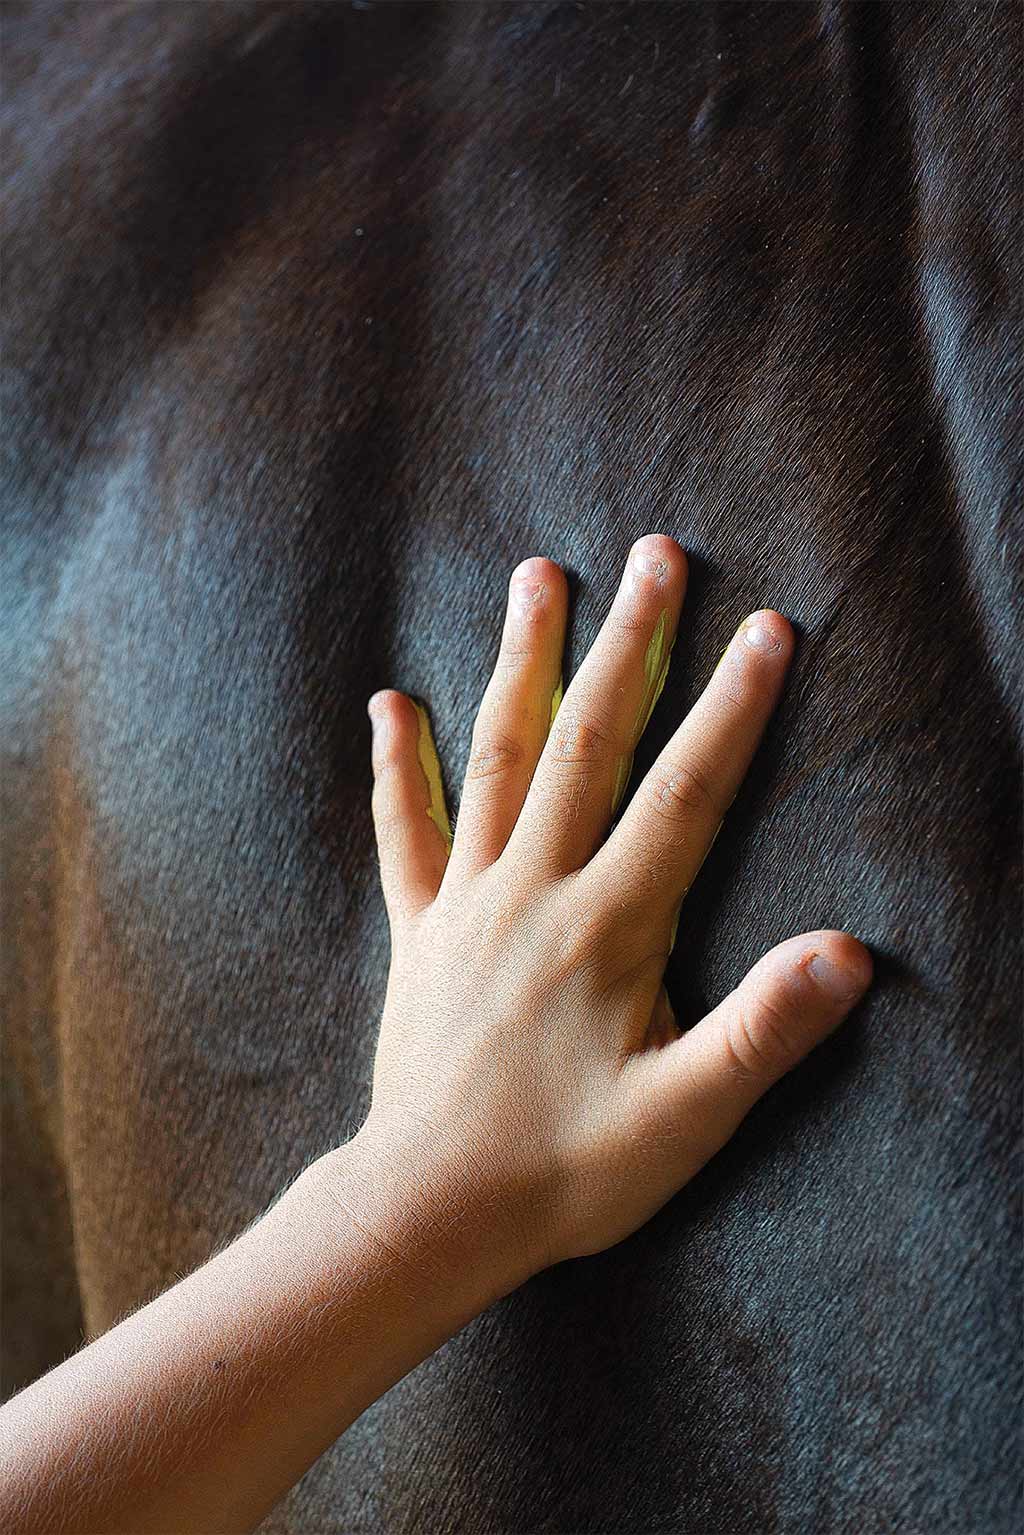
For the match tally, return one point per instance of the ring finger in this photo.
(654, 853)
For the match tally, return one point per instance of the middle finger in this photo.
(584, 765)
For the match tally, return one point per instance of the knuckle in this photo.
(388, 824)
(630, 621)
(682, 792)
(494, 756)
(758, 1041)
(580, 739)
(733, 700)
(583, 942)
(644, 872)
(515, 654)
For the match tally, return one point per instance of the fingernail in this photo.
(649, 564)
(758, 636)
(843, 984)
(527, 594)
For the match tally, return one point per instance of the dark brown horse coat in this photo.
(318, 318)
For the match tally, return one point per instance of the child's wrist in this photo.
(418, 1214)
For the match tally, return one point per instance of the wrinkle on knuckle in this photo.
(733, 700)
(494, 756)
(682, 792)
(633, 620)
(580, 739)
(514, 656)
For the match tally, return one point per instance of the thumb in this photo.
(708, 1080)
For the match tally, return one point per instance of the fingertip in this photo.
(390, 698)
(394, 724)
(537, 566)
(791, 1001)
(659, 554)
(378, 703)
(768, 631)
(536, 576)
(838, 964)
(537, 595)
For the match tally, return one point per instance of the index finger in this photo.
(654, 853)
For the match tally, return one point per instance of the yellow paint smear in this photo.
(657, 657)
(623, 768)
(722, 657)
(556, 704)
(656, 663)
(436, 810)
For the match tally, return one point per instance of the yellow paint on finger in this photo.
(436, 809)
(657, 657)
(556, 704)
(722, 657)
(623, 768)
(656, 663)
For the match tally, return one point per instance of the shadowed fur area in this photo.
(318, 318)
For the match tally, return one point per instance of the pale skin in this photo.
(533, 1100)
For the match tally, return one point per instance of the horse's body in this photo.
(318, 319)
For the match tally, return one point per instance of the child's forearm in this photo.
(200, 1410)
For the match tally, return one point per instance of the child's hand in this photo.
(529, 1071)
(532, 1097)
